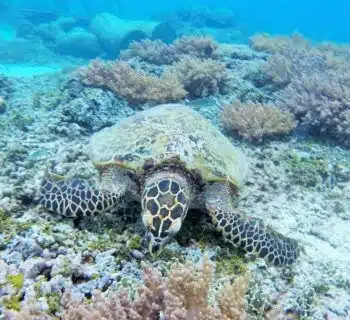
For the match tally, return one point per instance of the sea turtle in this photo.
(170, 159)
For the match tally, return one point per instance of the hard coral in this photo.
(136, 87)
(254, 121)
(202, 78)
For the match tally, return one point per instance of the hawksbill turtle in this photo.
(170, 159)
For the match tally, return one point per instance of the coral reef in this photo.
(255, 121)
(321, 101)
(182, 295)
(196, 46)
(201, 78)
(155, 51)
(299, 186)
(160, 53)
(310, 81)
(267, 43)
(134, 86)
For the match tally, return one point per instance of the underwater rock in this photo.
(165, 32)
(26, 30)
(3, 272)
(2, 105)
(48, 32)
(78, 43)
(5, 88)
(66, 23)
(67, 265)
(113, 32)
(33, 267)
(137, 254)
(93, 110)
(28, 248)
(14, 258)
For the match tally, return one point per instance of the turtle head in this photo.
(164, 206)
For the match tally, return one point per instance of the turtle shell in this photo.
(167, 132)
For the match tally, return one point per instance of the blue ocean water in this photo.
(319, 20)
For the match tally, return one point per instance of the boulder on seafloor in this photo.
(78, 42)
(114, 32)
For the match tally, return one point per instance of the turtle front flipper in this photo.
(75, 197)
(247, 233)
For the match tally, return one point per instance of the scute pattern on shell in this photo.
(169, 130)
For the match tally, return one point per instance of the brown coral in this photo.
(321, 101)
(183, 296)
(254, 121)
(156, 52)
(202, 78)
(160, 53)
(200, 47)
(134, 86)
(265, 42)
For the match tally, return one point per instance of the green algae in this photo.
(16, 280)
(307, 171)
(123, 243)
(10, 227)
(134, 242)
(12, 303)
(53, 301)
(231, 265)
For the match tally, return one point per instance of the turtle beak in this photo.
(156, 244)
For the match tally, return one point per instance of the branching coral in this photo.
(322, 101)
(156, 52)
(160, 53)
(183, 295)
(310, 81)
(254, 121)
(134, 86)
(201, 78)
(265, 42)
(200, 47)
(293, 63)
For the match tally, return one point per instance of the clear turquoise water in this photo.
(317, 19)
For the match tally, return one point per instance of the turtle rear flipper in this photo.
(250, 234)
(75, 197)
